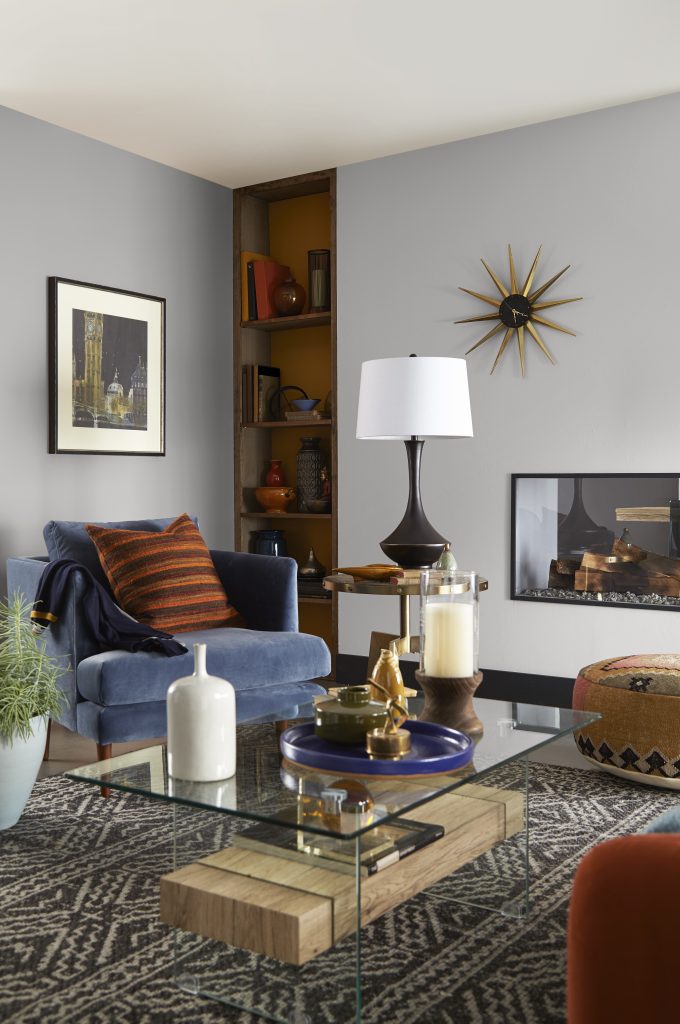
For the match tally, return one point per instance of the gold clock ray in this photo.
(517, 309)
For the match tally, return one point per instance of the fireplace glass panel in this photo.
(610, 540)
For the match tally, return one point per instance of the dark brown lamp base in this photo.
(414, 544)
(449, 702)
(410, 555)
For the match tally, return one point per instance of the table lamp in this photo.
(409, 399)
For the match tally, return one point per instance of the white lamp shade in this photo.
(414, 396)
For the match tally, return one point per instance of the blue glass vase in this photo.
(269, 542)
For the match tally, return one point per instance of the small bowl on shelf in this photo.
(274, 499)
(304, 404)
(318, 505)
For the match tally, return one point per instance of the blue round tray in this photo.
(434, 749)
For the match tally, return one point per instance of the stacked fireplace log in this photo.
(627, 569)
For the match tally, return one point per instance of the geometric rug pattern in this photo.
(81, 942)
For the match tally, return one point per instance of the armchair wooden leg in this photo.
(46, 753)
(103, 754)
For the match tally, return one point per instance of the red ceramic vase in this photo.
(289, 297)
(275, 475)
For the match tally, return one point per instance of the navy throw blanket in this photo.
(109, 625)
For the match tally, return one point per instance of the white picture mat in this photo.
(134, 307)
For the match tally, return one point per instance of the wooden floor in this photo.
(68, 750)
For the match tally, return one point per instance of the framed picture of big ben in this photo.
(106, 370)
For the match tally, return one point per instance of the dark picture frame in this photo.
(106, 352)
(538, 509)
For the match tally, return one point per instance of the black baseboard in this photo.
(522, 687)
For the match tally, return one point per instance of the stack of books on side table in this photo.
(400, 575)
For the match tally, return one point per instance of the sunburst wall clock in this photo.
(517, 310)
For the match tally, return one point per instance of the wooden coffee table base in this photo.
(293, 912)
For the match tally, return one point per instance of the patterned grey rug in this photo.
(81, 942)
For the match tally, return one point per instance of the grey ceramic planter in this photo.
(19, 765)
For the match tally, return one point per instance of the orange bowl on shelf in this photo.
(274, 499)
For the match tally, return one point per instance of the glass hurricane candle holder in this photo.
(449, 623)
(319, 279)
(449, 646)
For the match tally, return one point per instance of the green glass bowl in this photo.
(349, 716)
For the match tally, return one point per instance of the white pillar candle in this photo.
(318, 288)
(449, 640)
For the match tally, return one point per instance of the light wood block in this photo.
(293, 911)
(276, 920)
(339, 888)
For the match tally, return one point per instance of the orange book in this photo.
(268, 274)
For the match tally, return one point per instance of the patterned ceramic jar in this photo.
(310, 462)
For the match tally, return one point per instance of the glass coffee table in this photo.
(282, 876)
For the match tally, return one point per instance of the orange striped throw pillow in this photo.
(166, 579)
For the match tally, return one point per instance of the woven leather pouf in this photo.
(638, 736)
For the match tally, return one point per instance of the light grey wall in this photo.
(599, 191)
(72, 207)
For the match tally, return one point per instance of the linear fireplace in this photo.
(611, 539)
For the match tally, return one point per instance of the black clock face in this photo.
(515, 310)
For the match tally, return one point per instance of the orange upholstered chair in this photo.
(624, 921)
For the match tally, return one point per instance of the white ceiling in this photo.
(240, 91)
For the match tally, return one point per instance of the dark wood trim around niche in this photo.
(549, 691)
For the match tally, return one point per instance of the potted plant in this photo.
(29, 694)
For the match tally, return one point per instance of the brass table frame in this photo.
(403, 642)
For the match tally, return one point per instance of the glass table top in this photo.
(269, 789)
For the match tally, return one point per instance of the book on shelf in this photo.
(247, 393)
(296, 416)
(311, 588)
(248, 312)
(252, 297)
(268, 274)
(266, 382)
(379, 849)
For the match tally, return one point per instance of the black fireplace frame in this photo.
(574, 602)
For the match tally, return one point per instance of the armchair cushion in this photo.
(166, 580)
(247, 658)
(65, 538)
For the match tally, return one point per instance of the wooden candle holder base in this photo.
(449, 702)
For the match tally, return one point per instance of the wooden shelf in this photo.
(286, 219)
(289, 323)
(286, 515)
(276, 424)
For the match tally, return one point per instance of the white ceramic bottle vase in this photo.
(201, 725)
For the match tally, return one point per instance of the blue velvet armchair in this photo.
(114, 696)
